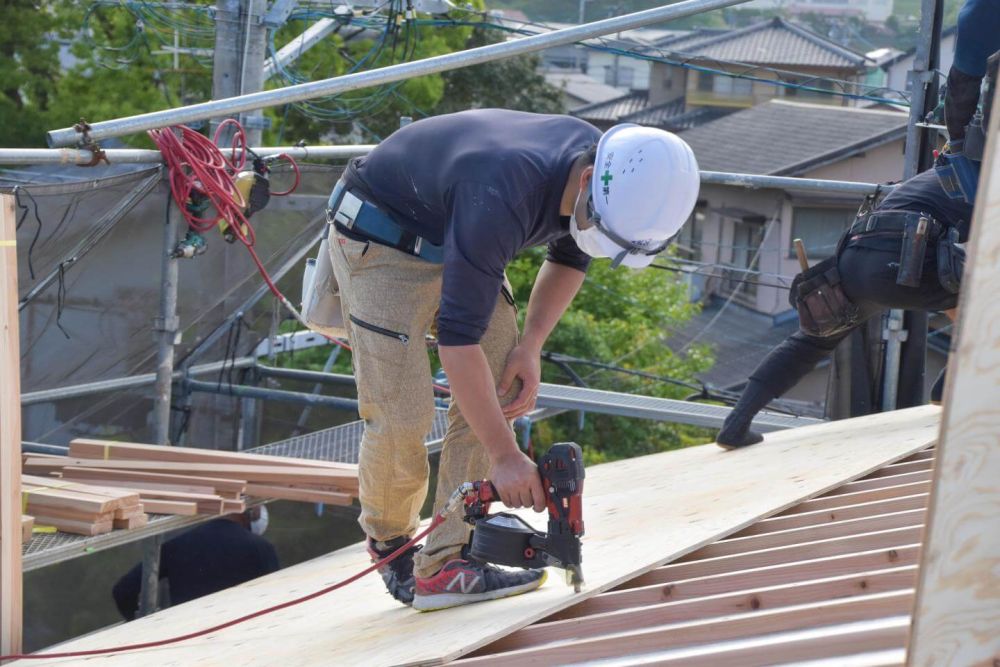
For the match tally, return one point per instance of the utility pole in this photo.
(238, 67)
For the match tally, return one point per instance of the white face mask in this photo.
(258, 526)
(589, 240)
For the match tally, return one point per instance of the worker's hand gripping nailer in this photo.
(506, 539)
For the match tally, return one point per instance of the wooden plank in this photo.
(77, 527)
(640, 514)
(109, 449)
(707, 631)
(128, 523)
(792, 536)
(957, 615)
(820, 517)
(836, 642)
(220, 484)
(149, 486)
(881, 483)
(903, 467)
(259, 473)
(233, 507)
(27, 524)
(170, 507)
(728, 582)
(116, 497)
(739, 602)
(838, 546)
(293, 493)
(11, 594)
(847, 499)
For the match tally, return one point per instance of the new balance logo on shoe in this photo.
(459, 580)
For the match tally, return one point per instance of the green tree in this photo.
(29, 69)
(620, 318)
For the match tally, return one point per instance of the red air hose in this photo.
(435, 522)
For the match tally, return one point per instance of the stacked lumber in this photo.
(27, 526)
(182, 480)
(77, 508)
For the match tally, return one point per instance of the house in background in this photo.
(676, 92)
(578, 89)
(870, 10)
(736, 229)
(893, 66)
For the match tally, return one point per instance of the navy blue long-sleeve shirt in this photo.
(978, 35)
(485, 184)
(209, 558)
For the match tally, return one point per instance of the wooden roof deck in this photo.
(832, 577)
(667, 534)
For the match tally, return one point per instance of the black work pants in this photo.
(868, 268)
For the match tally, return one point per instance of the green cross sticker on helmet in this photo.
(656, 187)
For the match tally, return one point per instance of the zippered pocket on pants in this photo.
(401, 337)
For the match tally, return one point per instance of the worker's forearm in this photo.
(473, 386)
(554, 290)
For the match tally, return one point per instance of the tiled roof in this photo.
(614, 109)
(775, 42)
(579, 85)
(634, 108)
(671, 116)
(759, 140)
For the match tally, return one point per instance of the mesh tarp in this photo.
(90, 249)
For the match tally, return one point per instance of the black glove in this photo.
(960, 102)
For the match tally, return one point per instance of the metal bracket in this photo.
(87, 143)
(255, 122)
(170, 326)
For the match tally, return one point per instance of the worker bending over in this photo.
(901, 252)
(423, 230)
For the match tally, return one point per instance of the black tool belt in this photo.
(818, 296)
(362, 220)
(915, 231)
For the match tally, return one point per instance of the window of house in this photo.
(748, 234)
(620, 77)
(727, 86)
(689, 238)
(819, 228)
(705, 83)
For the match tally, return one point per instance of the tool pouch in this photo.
(823, 307)
(321, 294)
(912, 252)
(950, 261)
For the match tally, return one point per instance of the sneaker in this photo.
(464, 582)
(398, 574)
(937, 389)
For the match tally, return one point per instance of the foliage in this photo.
(511, 83)
(568, 11)
(620, 317)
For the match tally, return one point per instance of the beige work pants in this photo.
(390, 299)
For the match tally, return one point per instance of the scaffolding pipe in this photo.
(306, 376)
(262, 393)
(132, 382)
(70, 136)
(82, 156)
(750, 181)
(289, 52)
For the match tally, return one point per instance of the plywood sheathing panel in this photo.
(640, 514)
(957, 618)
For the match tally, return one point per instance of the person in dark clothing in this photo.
(421, 232)
(868, 265)
(884, 260)
(211, 557)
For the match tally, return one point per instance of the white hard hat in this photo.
(644, 187)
